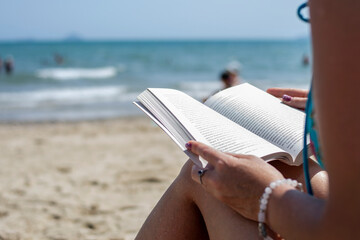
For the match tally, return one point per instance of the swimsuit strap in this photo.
(310, 132)
(305, 150)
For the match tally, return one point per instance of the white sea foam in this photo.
(64, 74)
(268, 83)
(200, 90)
(67, 96)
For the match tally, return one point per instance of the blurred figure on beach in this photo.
(9, 65)
(231, 75)
(229, 78)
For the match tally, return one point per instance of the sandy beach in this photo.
(82, 180)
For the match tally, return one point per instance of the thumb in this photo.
(296, 102)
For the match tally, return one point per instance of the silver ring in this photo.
(201, 174)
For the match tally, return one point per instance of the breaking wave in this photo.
(64, 74)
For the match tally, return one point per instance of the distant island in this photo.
(73, 37)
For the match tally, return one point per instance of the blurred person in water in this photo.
(9, 65)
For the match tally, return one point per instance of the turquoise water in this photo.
(101, 79)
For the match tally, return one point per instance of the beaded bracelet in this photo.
(264, 201)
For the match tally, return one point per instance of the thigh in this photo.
(222, 222)
(186, 211)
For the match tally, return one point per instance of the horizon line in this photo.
(35, 40)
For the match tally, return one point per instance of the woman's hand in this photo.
(236, 180)
(293, 97)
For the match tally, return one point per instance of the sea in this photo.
(90, 80)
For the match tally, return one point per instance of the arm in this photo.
(239, 183)
(336, 37)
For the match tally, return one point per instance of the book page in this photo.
(210, 127)
(180, 141)
(263, 115)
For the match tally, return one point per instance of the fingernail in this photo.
(188, 146)
(286, 98)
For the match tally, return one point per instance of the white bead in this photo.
(263, 207)
(268, 190)
(261, 217)
(266, 196)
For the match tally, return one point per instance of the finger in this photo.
(279, 92)
(208, 153)
(296, 102)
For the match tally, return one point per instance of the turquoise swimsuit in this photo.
(310, 129)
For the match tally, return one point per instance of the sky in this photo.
(150, 19)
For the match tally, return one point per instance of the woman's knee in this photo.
(185, 174)
(184, 182)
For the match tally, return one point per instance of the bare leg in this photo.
(176, 216)
(181, 212)
(186, 211)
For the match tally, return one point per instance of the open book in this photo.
(241, 120)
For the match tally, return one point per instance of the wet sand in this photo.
(84, 180)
